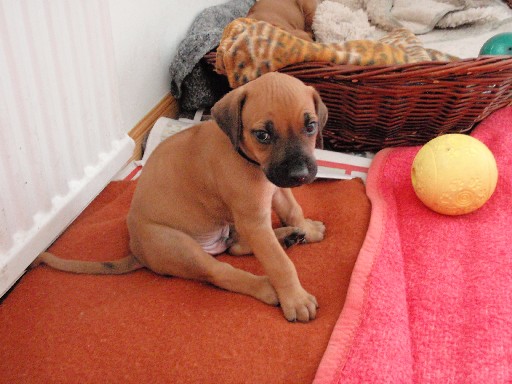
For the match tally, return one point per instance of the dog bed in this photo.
(146, 328)
(419, 297)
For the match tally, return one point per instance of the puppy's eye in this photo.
(262, 136)
(311, 128)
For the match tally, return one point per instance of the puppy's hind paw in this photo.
(296, 237)
(315, 230)
(289, 236)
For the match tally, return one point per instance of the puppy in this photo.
(213, 186)
(294, 16)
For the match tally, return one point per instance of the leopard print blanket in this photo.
(249, 48)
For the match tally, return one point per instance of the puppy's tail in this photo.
(116, 267)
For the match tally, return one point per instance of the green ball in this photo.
(501, 44)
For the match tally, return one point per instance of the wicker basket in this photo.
(375, 107)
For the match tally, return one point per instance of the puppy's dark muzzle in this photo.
(292, 172)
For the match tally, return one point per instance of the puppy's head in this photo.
(275, 121)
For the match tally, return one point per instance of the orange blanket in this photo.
(145, 328)
(250, 48)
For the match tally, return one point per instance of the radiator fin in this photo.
(61, 134)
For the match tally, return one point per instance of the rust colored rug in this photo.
(144, 328)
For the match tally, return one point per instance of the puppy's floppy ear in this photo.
(227, 112)
(322, 113)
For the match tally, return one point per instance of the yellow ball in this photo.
(454, 174)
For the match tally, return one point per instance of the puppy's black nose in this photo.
(299, 173)
(293, 171)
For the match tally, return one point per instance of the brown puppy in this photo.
(294, 16)
(201, 182)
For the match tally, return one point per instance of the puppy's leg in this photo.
(171, 252)
(301, 34)
(287, 237)
(290, 213)
(296, 302)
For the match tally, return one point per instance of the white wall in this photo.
(146, 35)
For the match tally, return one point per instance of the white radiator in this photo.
(61, 136)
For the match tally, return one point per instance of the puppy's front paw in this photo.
(314, 230)
(298, 305)
(265, 291)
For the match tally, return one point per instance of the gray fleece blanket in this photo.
(193, 83)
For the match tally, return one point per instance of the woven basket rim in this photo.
(430, 69)
(373, 107)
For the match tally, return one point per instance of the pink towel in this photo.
(430, 298)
